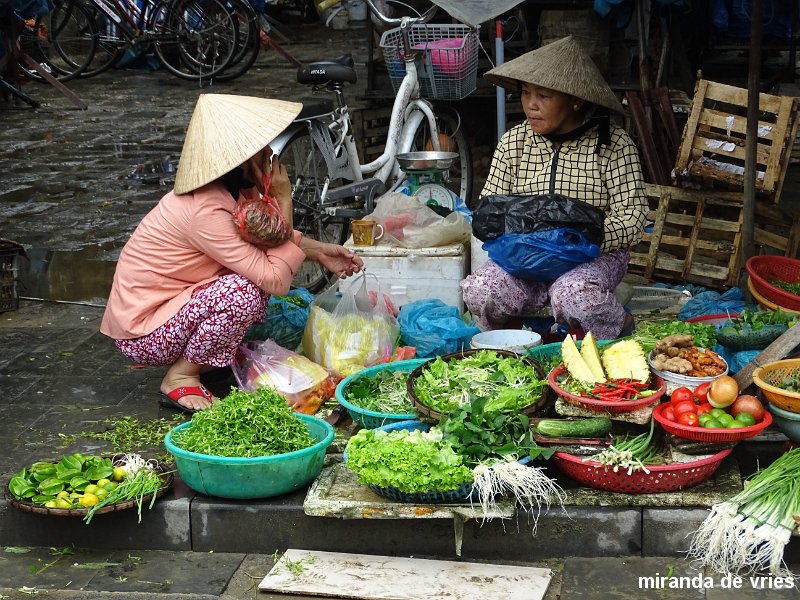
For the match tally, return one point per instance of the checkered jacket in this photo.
(525, 163)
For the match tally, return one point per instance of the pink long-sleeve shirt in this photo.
(187, 241)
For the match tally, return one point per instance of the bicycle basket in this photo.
(447, 62)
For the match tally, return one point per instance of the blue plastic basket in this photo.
(370, 419)
(461, 494)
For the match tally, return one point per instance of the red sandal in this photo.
(170, 400)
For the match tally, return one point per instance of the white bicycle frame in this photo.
(336, 142)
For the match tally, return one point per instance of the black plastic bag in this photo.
(496, 215)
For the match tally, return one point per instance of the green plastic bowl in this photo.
(250, 478)
(788, 422)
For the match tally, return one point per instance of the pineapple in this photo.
(626, 360)
(575, 363)
(591, 355)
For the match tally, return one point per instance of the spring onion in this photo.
(750, 530)
(141, 478)
(631, 454)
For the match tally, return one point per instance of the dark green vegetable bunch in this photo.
(648, 333)
(245, 424)
(756, 319)
(479, 435)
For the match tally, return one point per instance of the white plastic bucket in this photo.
(513, 340)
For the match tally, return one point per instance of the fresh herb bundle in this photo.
(383, 392)
(245, 424)
(648, 333)
(510, 383)
(750, 319)
(787, 286)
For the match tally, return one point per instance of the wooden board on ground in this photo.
(368, 577)
(712, 151)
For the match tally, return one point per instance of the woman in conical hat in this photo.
(187, 285)
(567, 146)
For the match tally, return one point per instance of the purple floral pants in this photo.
(207, 330)
(584, 295)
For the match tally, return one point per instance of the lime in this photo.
(746, 419)
(102, 482)
(717, 413)
(118, 474)
(725, 420)
(704, 418)
(90, 489)
(63, 503)
(88, 500)
(110, 486)
(63, 494)
(712, 423)
(50, 504)
(101, 493)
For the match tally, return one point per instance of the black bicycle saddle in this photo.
(335, 70)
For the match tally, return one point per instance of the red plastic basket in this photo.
(662, 478)
(763, 268)
(618, 406)
(701, 434)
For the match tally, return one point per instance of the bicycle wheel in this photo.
(110, 44)
(63, 41)
(249, 42)
(451, 139)
(307, 172)
(194, 39)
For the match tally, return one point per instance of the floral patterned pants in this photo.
(584, 295)
(206, 330)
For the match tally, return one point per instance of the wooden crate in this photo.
(695, 237)
(712, 151)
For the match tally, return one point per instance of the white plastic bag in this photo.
(409, 223)
(351, 329)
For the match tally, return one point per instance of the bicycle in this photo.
(330, 183)
(193, 39)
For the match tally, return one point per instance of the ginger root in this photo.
(673, 364)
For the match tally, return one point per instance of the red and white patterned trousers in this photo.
(207, 329)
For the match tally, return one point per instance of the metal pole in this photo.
(751, 142)
(499, 57)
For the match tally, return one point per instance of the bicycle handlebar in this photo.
(424, 18)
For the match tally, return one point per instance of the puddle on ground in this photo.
(83, 275)
(153, 172)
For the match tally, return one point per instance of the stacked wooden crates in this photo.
(696, 227)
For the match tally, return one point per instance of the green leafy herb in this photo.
(245, 424)
(648, 333)
(750, 319)
(510, 382)
(480, 435)
(791, 287)
(384, 392)
(411, 461)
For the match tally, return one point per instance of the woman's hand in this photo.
(337, 259)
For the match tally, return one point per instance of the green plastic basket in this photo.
(370, 419)
(250, 478)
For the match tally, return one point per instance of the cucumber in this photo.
(593, 427)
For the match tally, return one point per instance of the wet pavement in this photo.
(76, 183)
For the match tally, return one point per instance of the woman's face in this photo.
(549, 111)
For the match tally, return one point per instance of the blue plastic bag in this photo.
(434, 328)
(285, 320)
(713, 303)
(543, 255)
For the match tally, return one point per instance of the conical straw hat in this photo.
(224, 131)
(563, 66)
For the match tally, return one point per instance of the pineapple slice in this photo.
(591, 355)
(575, 363)
(626, 360)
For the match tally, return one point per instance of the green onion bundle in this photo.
(631, 454)
(750, 530)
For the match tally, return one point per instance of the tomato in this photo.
(687, 406)
(689, 418)
(681, 394)
(669, 414)
(701, 392)
(704, 408)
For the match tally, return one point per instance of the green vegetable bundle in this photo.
(648, 333)
(510, 383)
(411, 461)
(245, 425)
(383, 392)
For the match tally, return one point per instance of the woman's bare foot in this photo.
(178, 382)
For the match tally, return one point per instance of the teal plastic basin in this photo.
(251, 478)
(787, 422)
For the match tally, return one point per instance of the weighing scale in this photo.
(425, 180)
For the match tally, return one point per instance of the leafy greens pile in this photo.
(508, 383)
(648, 333)
(245, 424)
(384, 392)
(411, 461)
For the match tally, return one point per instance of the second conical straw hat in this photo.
(224, 131)
(563, 66)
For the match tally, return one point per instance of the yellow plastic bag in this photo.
(351, 329)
